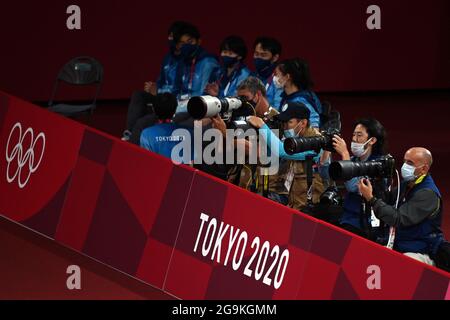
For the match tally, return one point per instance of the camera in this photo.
(208, 107)
(346, 170)
(331, 197)
(302, 144)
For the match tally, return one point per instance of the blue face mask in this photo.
(291, 132)
(228, 62)
(188, 50)
(261, 65)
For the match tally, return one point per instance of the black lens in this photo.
(302, 144)
(197, 108)
(346, 170)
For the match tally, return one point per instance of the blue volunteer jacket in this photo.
(310, 100)
(228, 85)
(161, 139)
(166, 81)
(193, 75)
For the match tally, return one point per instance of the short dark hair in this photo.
(176, 26)
(187, 29)
(235, 44)
(375, 129)
(269, 44)
(298, 69)
(165, 105)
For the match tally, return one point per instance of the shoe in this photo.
(126, 135)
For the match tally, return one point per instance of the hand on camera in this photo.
(255, 121)
(365, 188)
(341, 147)
(212, 89)
(219, 124)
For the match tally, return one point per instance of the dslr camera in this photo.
(302, 144)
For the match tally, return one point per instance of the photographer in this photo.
(368, 143)
(296, 123)
(159, 138)
(224, 80)
(419, 216)
(265, 57)
(294, 78)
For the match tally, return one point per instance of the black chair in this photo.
(80, 71)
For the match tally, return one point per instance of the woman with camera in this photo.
(369, 142)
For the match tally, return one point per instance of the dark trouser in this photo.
(141, 124)
(140, 106)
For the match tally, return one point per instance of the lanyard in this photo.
(269, 82)
(191, 77)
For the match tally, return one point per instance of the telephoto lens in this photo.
(346, 170)
(208, 106)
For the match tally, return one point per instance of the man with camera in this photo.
(161, 137)
(419, 216)
(295, 118)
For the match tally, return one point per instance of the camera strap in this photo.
(309, 178)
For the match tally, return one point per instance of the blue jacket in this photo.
(273, 93)
(228, 85)
(161, 139)
(166, 81)
(193, 75)
(310, 100)
(426, 236)
(353, 201)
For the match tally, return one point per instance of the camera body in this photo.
(346, 170)
(302, 144)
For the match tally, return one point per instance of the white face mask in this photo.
(358, 148)
(408, 172)
(291, 132)
(277, 82)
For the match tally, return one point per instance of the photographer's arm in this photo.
(269, 137)
(419, 207)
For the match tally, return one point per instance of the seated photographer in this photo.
(139, 110)
(296, 123)
(368, 143)
(293, 76)
(224, 80)
(266, 55)
(419, 216)
(159, 138)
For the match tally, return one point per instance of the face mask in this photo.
(358, 148)
(188, 50)
(408, 172)
(291, 132)
(277, 82)
(261, 64)
(228, 62)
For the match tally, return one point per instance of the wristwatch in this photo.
(372, 201)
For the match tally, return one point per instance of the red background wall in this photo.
(411, 51)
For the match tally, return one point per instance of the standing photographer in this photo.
(419, 216)
(296, 124)
(368, 143)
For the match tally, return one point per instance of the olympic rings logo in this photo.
(21, 165)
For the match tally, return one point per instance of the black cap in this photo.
(294, 110)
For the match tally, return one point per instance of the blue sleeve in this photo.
(204, 71)
(145, 140)
(162, 76)
(269, 136)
